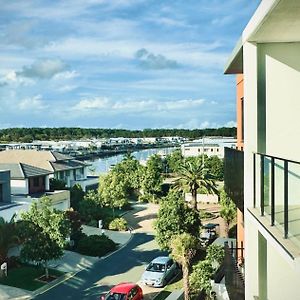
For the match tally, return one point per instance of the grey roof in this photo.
(201, 145)
(21, 171)
(68, 165)
(58, 156)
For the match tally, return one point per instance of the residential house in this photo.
(20, 184)
(268, 57)
(60, 166)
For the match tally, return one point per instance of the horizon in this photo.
(121, 65)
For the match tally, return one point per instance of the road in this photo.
(126, 264)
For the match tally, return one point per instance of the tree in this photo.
(75, 224)
(175, 217)
(174, 160)
(76, 195)
(201, 276)
(228, 210)
(183, 250)
(112, 190)
(203, 271)
(216, 166)
(44, 231)
(8, 237)
(152, 178)
(193, 175)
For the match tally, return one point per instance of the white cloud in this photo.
(43, 69)
(11, 78)
(230, 124)
(136, 106)
(66, 75)
(67, 88)
(33, 104)
(91, 104)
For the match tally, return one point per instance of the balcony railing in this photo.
(277, 193)
(234, 176)
(234, 277)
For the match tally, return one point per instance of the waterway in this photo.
(103, 165)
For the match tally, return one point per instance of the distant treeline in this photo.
(27, 135)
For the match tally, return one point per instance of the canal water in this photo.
(102, 165)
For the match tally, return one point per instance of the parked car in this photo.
(124, 291)
(161, 270)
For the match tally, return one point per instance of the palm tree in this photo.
(183, 250)
(193, 175)
(8, 236)
(228, 210)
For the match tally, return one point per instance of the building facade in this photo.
(268, 57)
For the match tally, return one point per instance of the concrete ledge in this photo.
(176, 295)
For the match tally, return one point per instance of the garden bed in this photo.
(27, 277)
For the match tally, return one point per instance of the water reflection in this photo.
(102, 165)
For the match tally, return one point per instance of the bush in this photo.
(95, 245)
(118, 224)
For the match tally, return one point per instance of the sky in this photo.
(129, 64)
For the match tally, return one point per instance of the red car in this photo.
(124, 291)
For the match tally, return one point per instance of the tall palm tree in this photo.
(191, 176)
(183, 249)
(8, 236)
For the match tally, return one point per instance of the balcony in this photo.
(276, 203)
(90, 182)
(234, 176)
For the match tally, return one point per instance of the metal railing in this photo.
(234, 278)
(276, 184)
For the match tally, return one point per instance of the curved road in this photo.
(127, 264)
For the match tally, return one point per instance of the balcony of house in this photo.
(276, 203)
(234, 176)
(87, 183)
(59, 199)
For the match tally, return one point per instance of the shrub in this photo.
(118, 224)
(95, 245)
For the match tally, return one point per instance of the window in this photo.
(211, 150)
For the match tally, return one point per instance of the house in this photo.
(60, 166)
(20, 184)
(268, 57)
(209, 146)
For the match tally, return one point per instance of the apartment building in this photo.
(268, 57)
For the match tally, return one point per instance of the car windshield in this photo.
(115, 296)
(154, 267)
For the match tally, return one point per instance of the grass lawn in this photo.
(24, 277)
(176, 285)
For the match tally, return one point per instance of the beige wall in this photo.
(19, 186)
(282, 66)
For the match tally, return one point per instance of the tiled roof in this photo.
(21, 171)
(67, 165)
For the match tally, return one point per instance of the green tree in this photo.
(44, 232)
(183, 249)
(201, 276)
(175, 217)
(216, 166)
(228, 210)
(76, 195)
(174, 160)
(112, 190)
(8, 236)
(203, 271)
(193, 175)
(152, 177)
(90, 208)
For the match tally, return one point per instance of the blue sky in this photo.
(130, 64)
